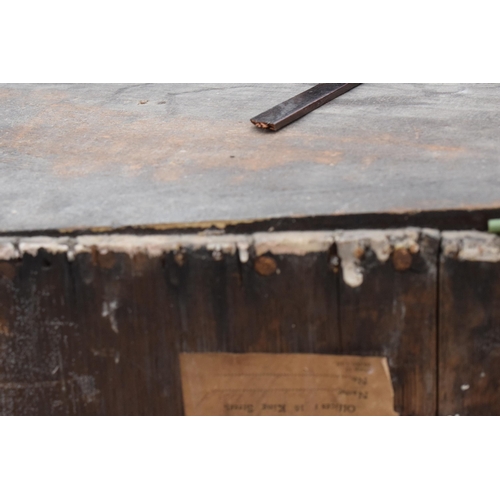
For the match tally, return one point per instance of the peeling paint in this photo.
(157, 245)
(33, 245)
(293, 242)
(471, 246)
(8, 251)
(352, 245)
(352, 270)
(243, 251)
(109, 311)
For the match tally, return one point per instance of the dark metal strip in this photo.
(287, 112)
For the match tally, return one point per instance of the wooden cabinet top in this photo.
(122, 155)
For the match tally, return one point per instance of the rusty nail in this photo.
(265, 266)
(401, 259)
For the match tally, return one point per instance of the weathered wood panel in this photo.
(94, 325)
(288, 297)
(37, 319)
(469, 324)
(388, 298)
(125, 343)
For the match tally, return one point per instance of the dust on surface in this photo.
(79, 139)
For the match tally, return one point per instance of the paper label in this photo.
(285, 384)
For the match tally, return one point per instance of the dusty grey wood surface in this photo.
(124, 155)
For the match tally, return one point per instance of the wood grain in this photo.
(95, 325)
(392, 313)
(469, 325)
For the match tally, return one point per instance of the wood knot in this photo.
(265, 266)
(401, 259)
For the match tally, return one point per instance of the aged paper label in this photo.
(285, 384)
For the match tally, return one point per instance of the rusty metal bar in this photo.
(287, 112)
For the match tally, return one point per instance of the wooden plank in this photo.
(287, 301)
(94, 325)
(469, 324)
(126, 341)
(87, 156)
(388, 306)
(36, 320)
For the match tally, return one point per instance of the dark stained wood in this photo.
(393, 314)
(295, 311)
(469, 326)
(37, 319)
(87, 337)
(100, 333)
(127, 342)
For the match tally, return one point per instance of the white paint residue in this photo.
(472, 246)
(108, 311)
(243, 253)
(465, 387)
(350, 252)
(221, 247)
(51, 245)
(293, 242)
(352, 245)
(352, 273)
(31, 246)
(8, 251)
(381, 247)
(157, 245)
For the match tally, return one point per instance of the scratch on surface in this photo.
(29, 385)
(107, 353)
(109, 311)
(86, 383)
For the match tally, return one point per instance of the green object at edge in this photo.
(494, 226)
